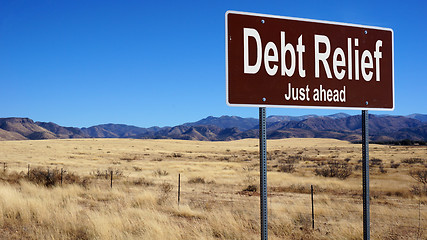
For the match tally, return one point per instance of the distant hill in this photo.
(120, 130)
(22, 128)
(227, 122)
(8, 135)
(338, 126)
(421, 117)
(276, 118)
(63, 132)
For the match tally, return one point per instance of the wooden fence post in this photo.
(312, 207)
(111, 183)
(179, 188)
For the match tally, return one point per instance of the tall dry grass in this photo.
(143, 201)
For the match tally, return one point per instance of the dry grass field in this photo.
(219, 189)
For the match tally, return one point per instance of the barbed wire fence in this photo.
(323, 212)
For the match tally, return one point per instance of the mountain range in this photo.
(341, 126)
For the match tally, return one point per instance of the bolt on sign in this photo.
(274, 61)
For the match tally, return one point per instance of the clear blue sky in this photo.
(147, 63)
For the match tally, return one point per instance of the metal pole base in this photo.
(263, 172)
(365, 174)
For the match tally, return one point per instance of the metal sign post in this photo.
(365, 174)
(263, 172)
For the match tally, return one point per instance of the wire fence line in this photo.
(20, 167)
(322, 218)
(323, 211)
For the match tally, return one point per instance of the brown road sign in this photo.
(291, 62)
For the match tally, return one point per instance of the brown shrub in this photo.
(334, 168)
(287, 168)
(51, 177)
(160, 173)
(419, 190)
(294, 159)
(143, 182)
(420, 175)
(251, 188)
(165, 189)
(394, 165)
(413, 161)
(12, 177)
(197, 180)
(129, 158)
(375, 161)
(100, 174)
(382, 169)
